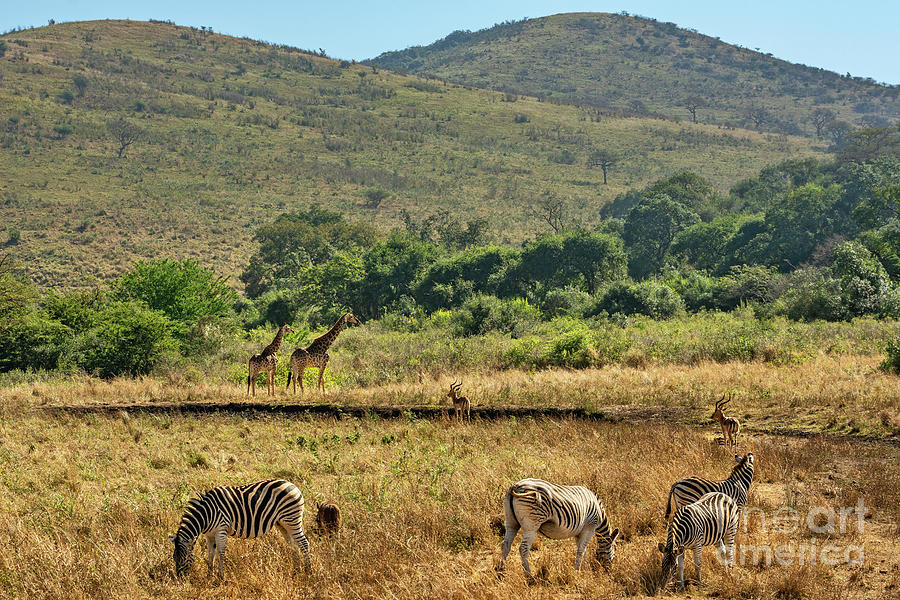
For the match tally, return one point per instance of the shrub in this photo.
(484, 313)
(33, 342)
(13, 237)
(891, 362)
(649, 298)
(129, 339)
(567, 301)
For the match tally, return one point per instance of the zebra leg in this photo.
(698, 557)
(210, 551)
(584, 538)
(295, 537)
(528, 538)
(220, 550)
(511, 531)
(729, 542)
(680, 562)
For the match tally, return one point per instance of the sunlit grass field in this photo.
(86, 503)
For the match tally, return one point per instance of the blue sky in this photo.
(861, 37)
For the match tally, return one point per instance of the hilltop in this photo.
(641, 66)
(233, 132)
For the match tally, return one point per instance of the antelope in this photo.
(460, 403)
(730, 426)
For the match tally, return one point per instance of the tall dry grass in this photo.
(86, 503)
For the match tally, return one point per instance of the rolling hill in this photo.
(231, 132)
(641, 66)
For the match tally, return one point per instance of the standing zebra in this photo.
(713, 519)
(737, 486)
(558, 512)
(245, 511)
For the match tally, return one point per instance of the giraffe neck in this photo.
(276, 343)
(321, 344)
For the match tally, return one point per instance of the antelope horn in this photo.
(453, 385)
(727, 401)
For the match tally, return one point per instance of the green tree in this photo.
(798, 223)
(293, 241)
(129, 339)
(556, 260)
(821, 117)
(16, 292)
(125, 133)
(686, 188)
(453, 279)
(81, 84)
(393, 267)
(865, 286)
(650, 228)
(605, 159)
(185, 292)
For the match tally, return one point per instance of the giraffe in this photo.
(316, 354)
(267, 361)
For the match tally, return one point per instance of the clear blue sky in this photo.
(860, 37)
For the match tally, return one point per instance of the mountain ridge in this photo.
(572, 57)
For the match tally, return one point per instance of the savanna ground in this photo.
(88, 499)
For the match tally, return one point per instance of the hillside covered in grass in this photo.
(641, 66)
(122, 140)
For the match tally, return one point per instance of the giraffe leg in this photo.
(321, 383)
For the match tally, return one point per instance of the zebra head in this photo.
(670, 553)
(743, 469)
(606, 548)
(184, 555)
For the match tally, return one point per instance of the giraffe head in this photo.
(719, 412)
(350, 318)
(286, 329)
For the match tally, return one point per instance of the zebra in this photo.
(245, 511)
(737, 486)
(713, 519)
(558, 512)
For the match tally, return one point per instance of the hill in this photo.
(641, 66)
(232, 132)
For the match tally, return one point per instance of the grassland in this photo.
(87, 503)
(639, 66)
(237, 132)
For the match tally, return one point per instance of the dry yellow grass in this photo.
(842, 394)
(86, 503)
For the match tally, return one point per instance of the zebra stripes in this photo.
(245, 511)
(558, 512)
(737, 486)
(713, 519)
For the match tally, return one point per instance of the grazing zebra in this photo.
(737, 486)
(730, 426)
(713, 519)
(245, 511)
(558, 512)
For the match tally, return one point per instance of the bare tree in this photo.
(124, 132)
(692, 103)
(550, 209)
(605, 159)
(820, 118)
(759, 115)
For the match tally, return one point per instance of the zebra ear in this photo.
(615, 534)
(662, 547)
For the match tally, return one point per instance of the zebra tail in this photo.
(669, 502)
